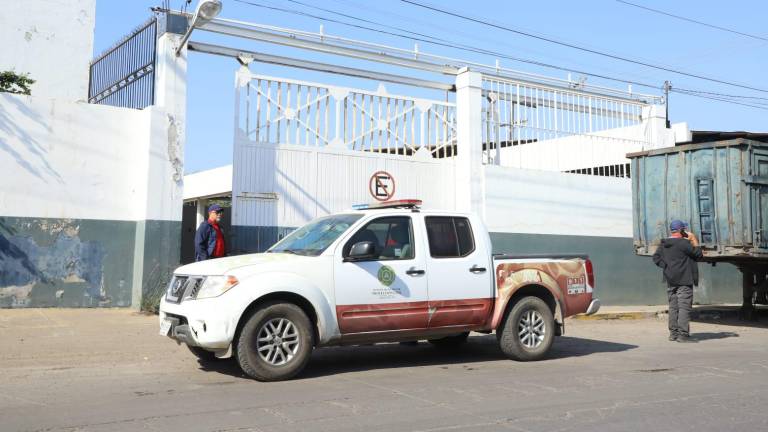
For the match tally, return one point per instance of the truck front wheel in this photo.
(275, 343)
(528, 331)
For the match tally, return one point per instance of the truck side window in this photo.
(392, 237)
(449, 237)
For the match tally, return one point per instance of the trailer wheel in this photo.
(275, 343)
(528, 331)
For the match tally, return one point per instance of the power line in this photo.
(694, 21)
(682, 92)
(732, 96)
(461, 46)
(442, 42)
(589, 50)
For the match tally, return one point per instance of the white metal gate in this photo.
(304, 150)
(282, 111)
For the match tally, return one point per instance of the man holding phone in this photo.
(677, 256)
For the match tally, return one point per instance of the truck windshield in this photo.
(315, 237)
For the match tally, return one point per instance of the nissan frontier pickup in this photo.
(381, 273)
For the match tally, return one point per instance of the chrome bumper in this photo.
(594, 306)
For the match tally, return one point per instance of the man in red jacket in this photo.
(209, 238)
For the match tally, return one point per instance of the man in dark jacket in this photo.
(209, 238)
(677, 257)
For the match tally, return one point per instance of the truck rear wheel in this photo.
(528, 331)
(275, 343)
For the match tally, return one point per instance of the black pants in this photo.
(680, 305)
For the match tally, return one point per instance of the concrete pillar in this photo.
(158, 234)
(469, 185)
(656, 132)
(202, 214)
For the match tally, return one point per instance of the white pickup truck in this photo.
(383, 273)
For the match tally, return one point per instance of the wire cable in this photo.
(721, 97)
(589, 50)
(449, 44)
(694, 21)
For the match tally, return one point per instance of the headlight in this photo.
(215, 286)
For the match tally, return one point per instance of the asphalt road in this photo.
(107, 370)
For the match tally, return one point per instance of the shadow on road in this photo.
(710, 336)
(730, 316)
(479, 349)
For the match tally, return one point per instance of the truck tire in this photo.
(528, 331)
(450, 341)
(275, 343)
(203, 355)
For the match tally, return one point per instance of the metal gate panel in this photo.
(283, 111)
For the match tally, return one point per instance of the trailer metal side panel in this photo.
(719, 188)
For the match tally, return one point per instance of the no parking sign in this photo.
(382, 186)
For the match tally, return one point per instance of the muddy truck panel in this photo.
(720, 188)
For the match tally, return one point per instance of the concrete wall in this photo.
(52, 40)
(531, 211)
(603, 148)
(90, 210)
(278, 188)
(208, 183)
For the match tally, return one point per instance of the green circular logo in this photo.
(386, 275)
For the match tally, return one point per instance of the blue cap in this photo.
(677, 225)
(214, 207)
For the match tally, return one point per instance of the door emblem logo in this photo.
(386, 275)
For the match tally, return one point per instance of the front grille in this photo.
(194, 285)
(183, 288)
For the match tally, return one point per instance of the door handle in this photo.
(414, 272)
(475, 269)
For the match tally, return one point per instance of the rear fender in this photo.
(510, 283)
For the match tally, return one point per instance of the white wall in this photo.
(606, 147)
(579, 151)
(212, 182)
(52, 40)
(76, 160)
(310, 182)
(541, 202)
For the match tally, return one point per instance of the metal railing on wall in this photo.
(281, 111)
(519, 114)
(124, 75)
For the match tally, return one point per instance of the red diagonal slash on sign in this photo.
(382, 186)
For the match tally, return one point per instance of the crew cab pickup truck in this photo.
(386, 273)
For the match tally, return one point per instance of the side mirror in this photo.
(361, 251)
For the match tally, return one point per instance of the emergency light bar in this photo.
(407, 203)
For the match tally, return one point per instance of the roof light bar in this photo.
(405, 203)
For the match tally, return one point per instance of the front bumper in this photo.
(200, 323)
(594, 306)
(181, 332)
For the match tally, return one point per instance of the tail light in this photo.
(590, 273)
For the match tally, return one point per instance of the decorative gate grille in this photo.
(124, 76)
(518, 113)
(280, 111)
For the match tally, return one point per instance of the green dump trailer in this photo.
(721, 189)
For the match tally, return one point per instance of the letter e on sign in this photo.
(382, 186)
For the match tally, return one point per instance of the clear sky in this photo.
(603, 25)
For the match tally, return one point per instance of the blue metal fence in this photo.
(124, 76)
